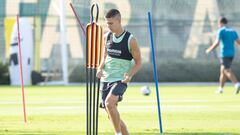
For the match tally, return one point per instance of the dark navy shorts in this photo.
(116, 88)
(226, 62)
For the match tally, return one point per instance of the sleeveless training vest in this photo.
(118, 50)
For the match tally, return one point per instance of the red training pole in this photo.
(78, 18)
(21, 74)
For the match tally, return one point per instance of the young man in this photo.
(226, 38)
(116, 68)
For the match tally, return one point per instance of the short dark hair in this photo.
(223, 20)
(112, 13)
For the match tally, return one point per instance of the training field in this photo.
(60, 110)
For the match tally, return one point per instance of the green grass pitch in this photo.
(60, 110)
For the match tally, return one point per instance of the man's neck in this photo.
(119, 32)
(223, 26)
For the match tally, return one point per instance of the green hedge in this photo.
(4, 74)
(171, 71)
(179, 71)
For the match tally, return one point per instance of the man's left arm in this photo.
(135, 51)
(216, 42)
(213, 46)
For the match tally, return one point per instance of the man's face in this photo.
(220, 24)
(113, 23)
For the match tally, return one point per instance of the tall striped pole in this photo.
(94, 43)
(155, 72)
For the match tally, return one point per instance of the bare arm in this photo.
(213, 46)
(135, 51)
(102, 63)
(238, 41)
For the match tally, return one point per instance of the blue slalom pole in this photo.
(155, 73)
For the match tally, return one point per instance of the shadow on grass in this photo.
(184, 134)
(200, 134)
(102, 133)
(176, 134)
(16, 132)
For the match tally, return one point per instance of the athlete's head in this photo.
(222, 21)
(113, 20)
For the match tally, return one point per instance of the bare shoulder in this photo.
(133, 42)
(106, 34)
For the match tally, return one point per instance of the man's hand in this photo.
(213, 46)
(208, 51)
(99, 73)
(127, 78)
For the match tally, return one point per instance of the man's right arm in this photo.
(236, 37)
(238, 41)
(102, 63)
